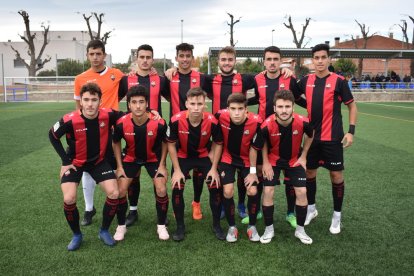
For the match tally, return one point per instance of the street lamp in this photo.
(182, 27)
(272, 35)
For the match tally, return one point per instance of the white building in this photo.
(62, 45)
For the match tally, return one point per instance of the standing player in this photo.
(178, 87)
(265, 88)
(145, 146)
(283, 133)
(188, 136)
(113, 85)
(156, 86)
(241, 139)
(325, 91)
(87, 134)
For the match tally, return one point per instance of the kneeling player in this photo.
(283, 133)
(241, 139)
(87, 134)
(145, 146)
(189, 134)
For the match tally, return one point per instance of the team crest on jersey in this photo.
(102, 124)
(153, 83)
(194, 80)
(204, 133)
(235, 81)
(150, 133)
(246, 132)
(328, 85)
(112, 77)
(295, 132)
(282, 85)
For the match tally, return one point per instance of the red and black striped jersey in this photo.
(144, 142)
(237, 139)
(223, 86)
(87, 139)
(192, 141)
(324, 97)
(178, 87)
(156, 86)
(284, 142)
(265, 89)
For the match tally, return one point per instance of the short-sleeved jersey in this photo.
(155, 85)
(87, 139)
(284, 142)
(179, 86)
(192, 141)
(223, 86)
(237, 139)
(265, 89)
(144, 142)
(108, 80)
(324, 97)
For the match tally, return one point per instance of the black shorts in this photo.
(329, 155)
(132, 169)
(259, 160)
(227, 172)
(203, 165)
(295, 176)
(99, 172)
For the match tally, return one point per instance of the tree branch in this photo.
(88, 24)
(19, 58)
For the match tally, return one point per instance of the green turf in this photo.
(377, 216)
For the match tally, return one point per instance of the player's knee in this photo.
(310, 174)
(112, 193)
(252, 191)
(336, 176)
(69, 199)
(228, 193)
(301, 198)
(161, 191)
(268, 193)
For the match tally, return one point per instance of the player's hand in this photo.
(267, 171)
(155, 115)
(65, 170)
(301, 161)
(132, 73)
(286, 72)
(162, 171)
(347, 140)
(250, 180)
(213, 178)
(263, 72)
(170, 73)
(120, 173)
(177, 179)
(153, 72)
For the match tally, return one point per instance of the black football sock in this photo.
(229, 208)
(161, 204)
(178, 205)
(259, 191)
(311, 190)
(198, 185)
(134, 190)
(338, 191)
(268, 214)
(301, 214)
(241, 189)
(72, 217)
(109, 211)
(215, 204)
(122, 208)
(252, 206)
(290, 198)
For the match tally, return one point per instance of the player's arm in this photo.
(162, 168)
(255, 99)
(122, 88)
(267, 169)
(306, 145)
(117, 148)
(299, 97)
(349, 136)
(178, 177)
(213, 173)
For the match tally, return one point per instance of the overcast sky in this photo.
(158, 22)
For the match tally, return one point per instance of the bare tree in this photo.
(99, 20)
(404, 29)
(290, 26)
(365, 37)
(36, 62)
(231, 24)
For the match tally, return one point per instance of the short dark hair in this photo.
(195, 92)
(227, 50)
(272, 49)
(93, 89)
(320, 47)
(184, 47)
(95, 44)
(237, 98)
(145, 47)
(137, 90)
(286, 95)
